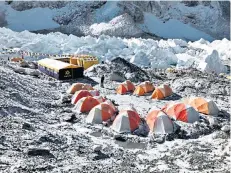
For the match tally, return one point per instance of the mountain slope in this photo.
(208, 20)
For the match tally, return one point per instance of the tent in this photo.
(181, 112)
(159, 122)
(83, 93)
(126, 86)
(85, 104)
(126, 121)
(79, 86)
(161, 92)
(60, 70)
(16, 59)
(144, 87)
(202, 105)
(102, 112)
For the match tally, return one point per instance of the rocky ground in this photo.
(40, 133)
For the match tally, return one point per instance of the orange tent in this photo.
(159, 122)
(161, 92)
(125, 87)
(79, 86)
(139, 91)
(202, 105)
(83, 93)
(144, 87)
(16, 59)
(85, 104)
(181, 112)
(126, 121)
(102, 112)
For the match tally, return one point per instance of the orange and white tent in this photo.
(181, 112)
(85, 104)
(144, 87)
(125, 87)
(159, 122)
(83, 93)
(126, 121)
(202, 105)
(161, 92)
(102, 112)
(79, 86)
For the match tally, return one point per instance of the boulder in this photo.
(117, 76)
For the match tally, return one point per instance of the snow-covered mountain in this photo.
(189, 20)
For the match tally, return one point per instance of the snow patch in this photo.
(171, 29)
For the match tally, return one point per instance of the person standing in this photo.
(102, 81)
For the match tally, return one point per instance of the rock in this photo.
(27, 126)
(65, 99)
(213, 121)
(226, 128)
(220, 135)
(97, 148)
(117, 76)
(19, 70)
(30, 72)
(39, 152)
(24, 64)
(160, 139)
(119, 137)
(69, 118)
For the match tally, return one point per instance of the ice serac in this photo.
(212, 63)
(140, 59)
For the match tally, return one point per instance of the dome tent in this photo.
(181, 112)
(144, 87)
(125, 87)
(102, 112)
(127, 121)
(83, 93)
(202, 105)
(159, 122)
(79, 86)
(85, 104)
(161, 92)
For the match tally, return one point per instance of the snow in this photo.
(33, 19)
(142, 52)
(212, 63)
(107, 12)
(172, 29)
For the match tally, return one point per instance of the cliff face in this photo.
(87, 18)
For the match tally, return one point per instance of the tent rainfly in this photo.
(202, 105)
(83, 93)
(79, 86)
(85, 104)
(181, 112)
(126, 122)
(102, 112)
(144, 87)
(125, 87)
(159, 122)
(161, 92)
